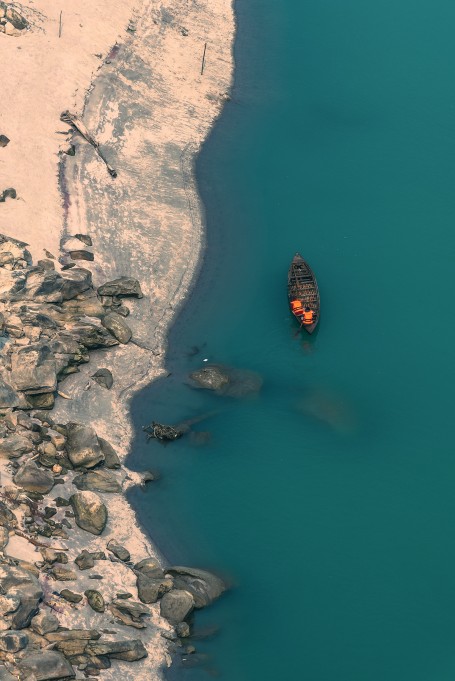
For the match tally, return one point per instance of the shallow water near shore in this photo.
(327, 499)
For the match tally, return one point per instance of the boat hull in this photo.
(302, 285)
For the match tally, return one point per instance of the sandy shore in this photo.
(132, 72)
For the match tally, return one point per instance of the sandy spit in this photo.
(132, 72)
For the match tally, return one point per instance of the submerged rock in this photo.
(89, 511)
(162, 432)
(227, 380)
(203, 586)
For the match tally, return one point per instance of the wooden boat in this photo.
(303, 289)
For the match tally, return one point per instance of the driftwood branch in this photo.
(78, 125)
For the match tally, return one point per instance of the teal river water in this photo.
(328, 500)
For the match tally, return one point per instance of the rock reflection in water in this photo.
(328, 408)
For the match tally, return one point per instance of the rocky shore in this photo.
(76, 241)
(69, 588)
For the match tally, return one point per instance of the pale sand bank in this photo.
(152, 109)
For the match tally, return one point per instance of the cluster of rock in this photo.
(54, 480)
(11, 21)
(51, 321)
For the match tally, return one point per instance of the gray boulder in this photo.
(34, 479)
(33, 370)
(20, 583)
(150, 568)
(117, 326)
(46, 665)
(76, 281)
(89, 511)
(83, 446)
(44, 622)
(12, 641)
(13, 446)
(151, 589)
(111, 458)
(129, 612)
(92, 336)
(130, 651)
(121, 287)
(176, 605)
(70, 596)
(5, 675)
(97, 481)
(202, 585)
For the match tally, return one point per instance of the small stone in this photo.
(104, 378)
(71, 596)
(63, 574)
(119, 551)
(84, 561)
(85, 238)
(81, 254)
(95, 600)
(121, 287)
(4, 141)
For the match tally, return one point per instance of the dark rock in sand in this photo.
(62, 574)
(12, 641)
(44, 401)
(16, 581)
(44, 623)
(90, 512)
(119, 551)
(82, 255)
(83, 446)
(104, 378)
(33, 369)
(204, 587)
(84, 560)
(71, 596)
(95, 600)
(51, 556)
(97, 481)
(46, 665)
(176, 605)
(150, 568)
(85, 238)
(34, 479)
(130, 651)
(4, 140)
(117, 326)
(4, 537)
(111, 459)
(121, 287)
(9, 193)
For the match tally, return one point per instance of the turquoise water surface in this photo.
(328, 500)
